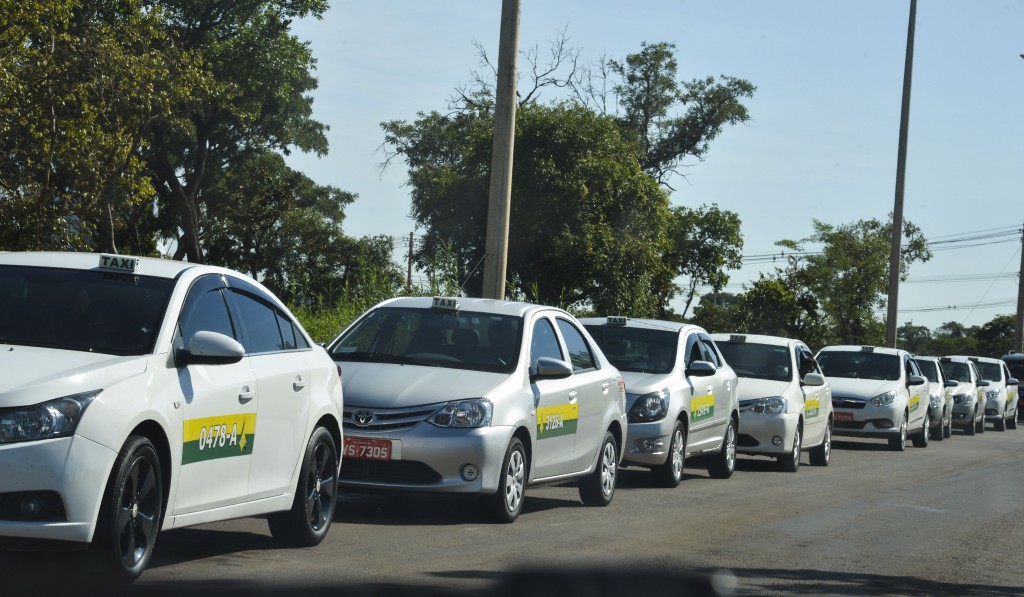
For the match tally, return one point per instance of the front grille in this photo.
(746, 441)
(991, 412)
(388, 419)
(391, 471)
(844, 402)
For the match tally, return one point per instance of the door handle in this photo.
(572, 396)
(246, 395)
(710, 388)
(298, 384)
(605, 386)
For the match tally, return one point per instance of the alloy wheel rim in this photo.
(677, 454)
(514, 481)
(138, 512)
(608, 469)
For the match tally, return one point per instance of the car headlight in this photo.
(884, 399)
(961, 398)
(936, 401)
(649, 407)
(774, 405)
(463, 414)
(47, 420)
(992, 394)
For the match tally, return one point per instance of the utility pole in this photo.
(500, 198)
(408, 275)
(901, 166)
(1018, 334)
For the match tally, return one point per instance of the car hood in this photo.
(642, 383)
(860, 388)
(387, 385)
(964, 387)
(32, 375)
(750, 387)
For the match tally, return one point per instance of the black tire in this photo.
(821, 454)
(790, 463)
(722, 465)
(940, 431)
(671, 473)
(1000, 425)
(980, 425)
(598, 488)
(921, 439)
(506, 503)
(316, 494)
(1011, 423)
(971, 428)
(947, 429)
(132, 510)
(899, 443)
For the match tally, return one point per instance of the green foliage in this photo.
(704, 243)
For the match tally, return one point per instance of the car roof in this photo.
(860, 348)
(960, 358)
(1013, 357)
(147, 266)
(756, 339)
(481, 305)
(986, 359)
(646, 324)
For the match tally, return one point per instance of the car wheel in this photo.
(899, 443)
(1011, 423)
(790, 463)
(132, 509)
(921, 439)
(972, 426)
(598, 488)
(316, 493)
(947, 430)
(507, 502)
(722, 465)
(980, 425)
(822, 454)
(1000, 425)
(671, 473)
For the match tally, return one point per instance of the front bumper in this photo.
(995, 409)
(430, 459)
(870, 421)
(647, 444)
(757, 431)
(74, 470)
(964, 413)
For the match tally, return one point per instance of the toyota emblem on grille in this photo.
(362, 418)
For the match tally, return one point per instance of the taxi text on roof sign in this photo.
(737, 338)
(119, 262)
(447, 303)
(616, 320)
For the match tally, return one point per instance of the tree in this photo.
(704, 243)
(916, 339)
(995, 337)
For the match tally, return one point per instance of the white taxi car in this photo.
(478, 396)
(968, 395)
(940, 392)
(1000, 395)
(785, 402)
(877, 392)
(681, 395)
(140, 395)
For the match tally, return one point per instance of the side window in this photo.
(912, 368)
(693, 352)
(260, 322)
(806, 361)
(544, 342)
(205, 310)
(579, 352)
(291, 338)
(710, 353)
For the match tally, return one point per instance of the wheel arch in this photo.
(154, 432)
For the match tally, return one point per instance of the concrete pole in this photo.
(1018, 333)
(500, 201)
(901, 166)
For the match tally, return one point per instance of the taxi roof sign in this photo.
(867, 349)
(446, 303)
(119, 263)
(616, 320)
(737, 338)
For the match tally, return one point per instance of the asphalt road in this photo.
(943, 520)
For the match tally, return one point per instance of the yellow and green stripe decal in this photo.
(553, 421)
(915, 402)
(812, 408)
(702, 407)
(222, 436)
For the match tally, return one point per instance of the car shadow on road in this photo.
(865, 446)
(394, 509)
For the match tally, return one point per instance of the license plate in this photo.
(843, 417)
(362, 448)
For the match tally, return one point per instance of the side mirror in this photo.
(950, 384)
(209, 348)
(916, 380)
(1013, 381)
(549, 368)
(982, 383)
(814, 379)
(700, 369)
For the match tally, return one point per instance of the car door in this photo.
(557, 406)
(917, 402)
(593, 387)
(282, 376)
(218, 410)
(723, 382)
(704, 431)
(815, 397)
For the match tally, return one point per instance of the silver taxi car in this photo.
(1015, 365)
(681, 395)
(478, 396)
(877, 392)
(140, 395)
(785, 401)
(968, 395)
(940, 392)
(1000, 395)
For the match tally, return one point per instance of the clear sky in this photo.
(821, 142)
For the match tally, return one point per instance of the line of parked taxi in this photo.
(140, 395)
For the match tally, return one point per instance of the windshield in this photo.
(928, 370)
(760, 361)
(458, 340)
(957, 371)
(860, 365)
(989, 371)
(90, 311)
(1016, 369)
(637, 349)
